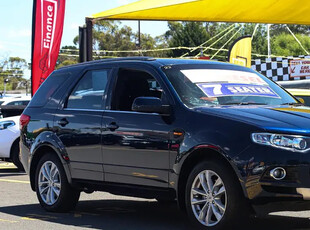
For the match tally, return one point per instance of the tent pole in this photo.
(268, 40)
(139, 33)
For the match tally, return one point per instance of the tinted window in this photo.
(1, 102)
(88, 93)
(48, 88)
(15, 103)
(132, 84)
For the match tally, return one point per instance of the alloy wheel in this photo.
(208, 198)
(49, 183)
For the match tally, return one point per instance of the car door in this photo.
(78, 124)
(135, 145)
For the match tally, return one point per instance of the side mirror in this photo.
(301, 100)
(150, 105)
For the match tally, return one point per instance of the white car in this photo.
(20, 100)
(9, 140)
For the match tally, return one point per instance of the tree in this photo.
(68, 55)
(286, 45)
(13, 69)
(277, 29)
(112, 36)
(186, 34)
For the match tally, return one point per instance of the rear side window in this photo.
(89, 92)
(17, 103)
(48, 88)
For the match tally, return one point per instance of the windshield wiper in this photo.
(293, 103)
(244, 103)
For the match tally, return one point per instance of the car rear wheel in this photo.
(53, 190)
(214, 199)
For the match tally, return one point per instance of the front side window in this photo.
(89, 92)
(200, 86)
(132, 84)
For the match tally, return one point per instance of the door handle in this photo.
(113, 126)
(63, 122)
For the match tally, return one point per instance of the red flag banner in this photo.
(48, 19)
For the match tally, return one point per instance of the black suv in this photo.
(216, 137)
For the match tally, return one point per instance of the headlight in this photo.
(6, 124)
(283, 141)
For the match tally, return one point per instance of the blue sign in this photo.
(233, 89)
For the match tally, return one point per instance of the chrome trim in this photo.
(278, 168)
(112, 111)
(86, 110)
(292, 149)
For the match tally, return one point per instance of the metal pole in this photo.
(268, 40)
(139, 34)
(82, 44)
(89, 40)
(4, 92)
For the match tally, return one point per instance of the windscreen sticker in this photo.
(231, 89)
(223, 76)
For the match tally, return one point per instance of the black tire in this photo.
(237, 209)
(15, 156)
(68, 196)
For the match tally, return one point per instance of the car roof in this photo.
(153, 61)
(12, 99)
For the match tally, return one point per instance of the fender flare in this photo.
(183, 157)
(50, 140)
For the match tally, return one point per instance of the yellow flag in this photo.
(240, 51)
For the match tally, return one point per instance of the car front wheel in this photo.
(53, 190)
(214, 199)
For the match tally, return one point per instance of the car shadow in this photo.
(136, 215)
(4, 172)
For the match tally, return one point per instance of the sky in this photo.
(16, 23)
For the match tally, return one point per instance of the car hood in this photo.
(289, 119)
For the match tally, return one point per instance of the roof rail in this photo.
(138, 58)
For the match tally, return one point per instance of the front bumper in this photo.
(255, 164)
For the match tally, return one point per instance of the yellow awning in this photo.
(256, 11)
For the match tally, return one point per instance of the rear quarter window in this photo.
(48, 88)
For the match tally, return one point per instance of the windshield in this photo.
(213, 87)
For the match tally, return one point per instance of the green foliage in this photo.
(278, 29)
(113, 36)
(286, 45)
(12, 69)
(186, 34)
(68, 55)
(259, 42)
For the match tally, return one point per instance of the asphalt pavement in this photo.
(19, 209)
